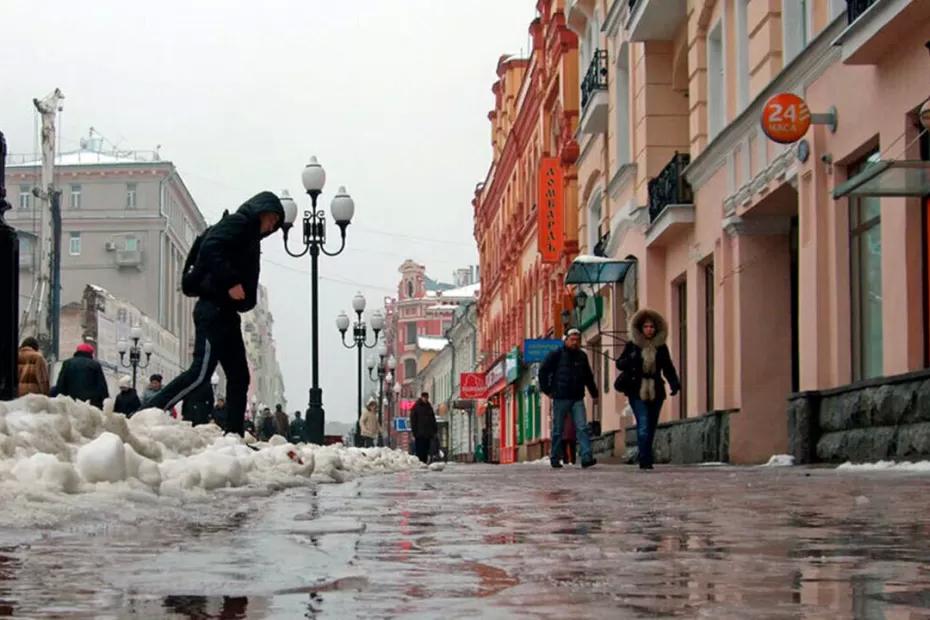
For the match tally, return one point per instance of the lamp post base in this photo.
(315, 417)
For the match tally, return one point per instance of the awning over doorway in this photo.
(888, 178)
(597, 270)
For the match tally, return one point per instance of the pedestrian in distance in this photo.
(368, 424)
(423, 426)
(643, 364)
(81, 377)
(281, 423)
(222, 271)
(298, 430)
(266, 425)
(563, 377)
(127, 400)
(33, 369)
(153, 388)
(249, 427)
(219, 413)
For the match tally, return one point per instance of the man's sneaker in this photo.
(555, 464)
(589, 463)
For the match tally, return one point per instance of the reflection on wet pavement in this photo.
(519, 541)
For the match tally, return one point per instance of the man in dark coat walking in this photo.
(81, 377)
(423, 425)
(563, 377)
(224, 276)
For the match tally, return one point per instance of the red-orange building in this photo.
(534, 118)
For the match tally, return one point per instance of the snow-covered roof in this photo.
(443, 307)
(86, 157)
(431, 343)
(593, 260)
(470, 290)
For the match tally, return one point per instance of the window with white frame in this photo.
(795, 19)
(130, 195)
(75, 196)
(622, 105)
(742, 53)
(594, 221)
(715, 82)
(74, 244)
(25, 196)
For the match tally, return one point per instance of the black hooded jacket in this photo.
(230, 254)
(81, 378)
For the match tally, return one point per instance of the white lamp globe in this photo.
(377, 321)
(397, 388)
(389, 378)
(342, 207)
(391, 362)
(371, 363)
(147, 348)
(135, 333)
(382, 350)
(313, 176)
(122, 346)
(290, 209)
(342, 322)
(359, 303)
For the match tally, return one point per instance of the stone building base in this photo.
(702, 439)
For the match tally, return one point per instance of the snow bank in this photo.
(780, 460)
(919, 467)
(67, 447)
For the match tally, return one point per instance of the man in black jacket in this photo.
(563, 377)
(81, 377)
(225, 276)
(424, 427)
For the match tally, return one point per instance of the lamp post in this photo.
(359, 342)
(385, 374)
(135, 353)
(396, 390)
(314, 240)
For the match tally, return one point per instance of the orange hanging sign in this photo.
(551, 229)
(785, 118)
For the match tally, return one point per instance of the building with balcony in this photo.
(128, 221)
(526, 217)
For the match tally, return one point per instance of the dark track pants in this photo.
(218, 340)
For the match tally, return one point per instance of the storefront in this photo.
(493, 436)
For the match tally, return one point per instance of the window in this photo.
(409, 288)
(682, 290)
(132, 244)
(715, 81)
(622, 77)
(709, 286)
(25, 196)
(410, 369)
(594, 222)
(795, 22)
(865, 245)
(742, 53)
(130, 195)
(411, 333)
(74, 244)
(75, 196)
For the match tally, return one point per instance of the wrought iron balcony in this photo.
(595, 78)
(855, 8)
(669, 187)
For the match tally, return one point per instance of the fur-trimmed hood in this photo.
(636, 325)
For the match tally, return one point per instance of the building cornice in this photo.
(797, 76)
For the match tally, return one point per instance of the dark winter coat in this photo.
(33, 372)
(298, 432)
(81, 378)
(630, 362)
(267, 427)
(423, 421)
(230, 254)
(281, 423)
(127, 402)
(565, 374)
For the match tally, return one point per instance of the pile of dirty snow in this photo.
(780, 460)
(919, 467)
(59, 446)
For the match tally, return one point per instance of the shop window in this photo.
(865, 245)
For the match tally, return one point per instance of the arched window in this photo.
(409, 288)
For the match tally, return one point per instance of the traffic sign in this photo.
(786, 118)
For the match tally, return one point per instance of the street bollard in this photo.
(9, 284)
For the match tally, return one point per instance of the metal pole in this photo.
(358, 419)
(135, 367)
(9, 283)
(316, 417)
(380, 402)
(54, 310)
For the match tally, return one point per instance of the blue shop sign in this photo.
(402, 425)
(536, 349)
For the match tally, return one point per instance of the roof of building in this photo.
(470, 290)
(431, 343)
(87, 157)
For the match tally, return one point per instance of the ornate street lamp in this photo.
(359, 342)
(135, 353)
(385, 365)
(314, 240)
(395, 391)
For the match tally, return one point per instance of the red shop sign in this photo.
(786, 118)
(472, 385)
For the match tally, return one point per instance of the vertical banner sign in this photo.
(551, 210)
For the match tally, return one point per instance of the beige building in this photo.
(128, 221)
(267, 385)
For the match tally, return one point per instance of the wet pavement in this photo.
(520, 541)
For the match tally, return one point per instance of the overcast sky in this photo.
(391, 95)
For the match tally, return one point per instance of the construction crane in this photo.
(42, 316)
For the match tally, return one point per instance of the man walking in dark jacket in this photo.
(563, 377)
(225, 278)
(424, 427)
(81, 377)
